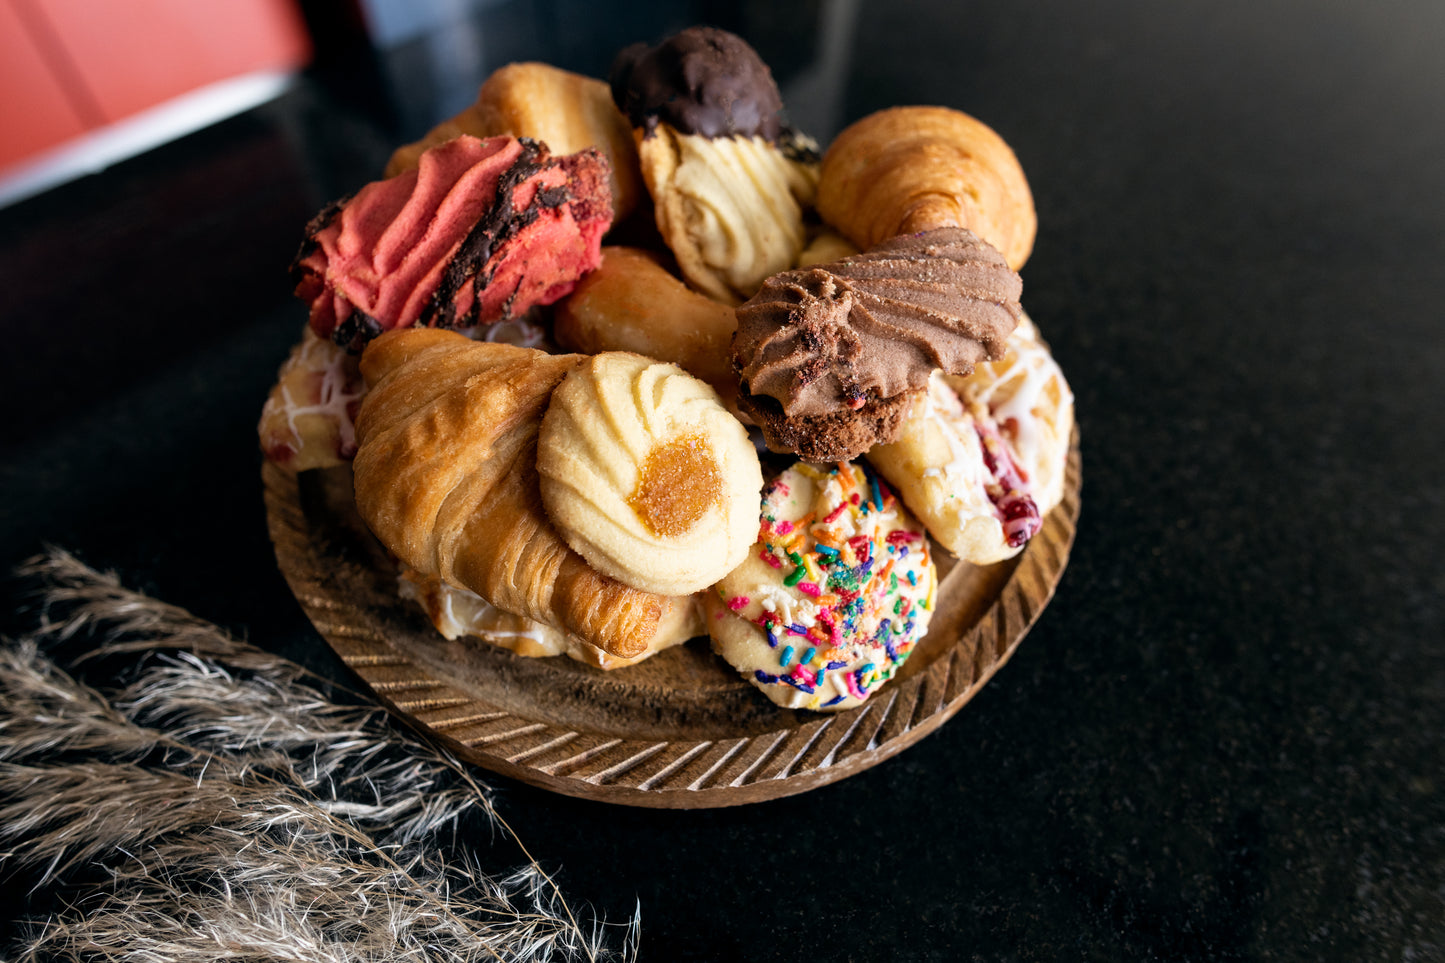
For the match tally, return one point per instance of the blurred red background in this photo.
(70, 67)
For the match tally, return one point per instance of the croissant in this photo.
(568, 112)
(632, 303)
(446, 478)
(910, 169)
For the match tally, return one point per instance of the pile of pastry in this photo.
(753, 423)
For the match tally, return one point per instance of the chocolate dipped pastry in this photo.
(479, 232)
(728, 179)
(831, 357)
(700, 81)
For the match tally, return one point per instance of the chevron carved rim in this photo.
(803, 752)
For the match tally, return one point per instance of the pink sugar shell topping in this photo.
(479, 232)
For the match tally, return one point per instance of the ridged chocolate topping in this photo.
(701, 81)
(878, 324)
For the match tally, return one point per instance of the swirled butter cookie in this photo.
(837, 591)
(646, 475)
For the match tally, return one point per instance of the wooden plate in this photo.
(680, 730)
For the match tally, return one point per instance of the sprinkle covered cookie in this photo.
(834, 595)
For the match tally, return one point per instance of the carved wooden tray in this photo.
(680, 730)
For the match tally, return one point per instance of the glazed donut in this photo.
(910, 169)
(833, 597)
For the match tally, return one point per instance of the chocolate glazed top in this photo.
(876, 324)
(701, 81)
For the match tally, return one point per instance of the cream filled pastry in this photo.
(835, 594)
(646, 475)
(729, 181)
(832, 356)
(981, 459)
(455, 613)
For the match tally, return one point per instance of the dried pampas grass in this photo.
(218, 806)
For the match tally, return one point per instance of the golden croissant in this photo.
(632, 303)
(446, 478)
(568, 112)
(911, 169)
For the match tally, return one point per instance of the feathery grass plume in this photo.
(98, 598)
(46, 712)
(238, 813)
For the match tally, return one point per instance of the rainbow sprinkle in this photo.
(855, 597)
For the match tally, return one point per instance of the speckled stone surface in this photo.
(1226, 738)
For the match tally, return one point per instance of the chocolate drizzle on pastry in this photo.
(501, 223)
(828, 355)
(319, 222)
(480, 231)
(701, 81)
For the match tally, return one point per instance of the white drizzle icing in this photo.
(332, 400)
(522, 332)
(965, 467)
(1021, 378)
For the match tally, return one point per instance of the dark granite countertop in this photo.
(1224, 740)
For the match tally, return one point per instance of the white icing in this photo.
(757, 590)
(457, 612)
(522, 332)
(1022, 378)
(332, 400)
(1029, 403)
(965, 469)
